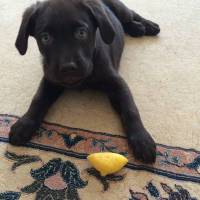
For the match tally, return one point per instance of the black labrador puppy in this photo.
(81, 42)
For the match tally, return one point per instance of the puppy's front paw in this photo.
(134, 29)
(143, 146)
(22, 131)
(151, 28)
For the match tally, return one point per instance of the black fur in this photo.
(81, 42)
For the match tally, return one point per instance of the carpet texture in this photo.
(164, 76)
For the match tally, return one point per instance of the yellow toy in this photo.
(107, 162)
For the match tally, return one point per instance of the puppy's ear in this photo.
(102, 20)
(26, 28)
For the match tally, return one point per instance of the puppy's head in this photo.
(65, 32)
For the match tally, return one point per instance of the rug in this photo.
(163, 74)
(53, 166)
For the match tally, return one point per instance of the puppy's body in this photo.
(81, 42)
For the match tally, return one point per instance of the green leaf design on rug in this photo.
(10, 195)
(56, 180)
(36, 185)
(21, 159)
(104, 180)
(153, 190)
(42, 131)
(47, 194)
(104, 146)
(179, 193)
(195, 164)
(71, 175)
(72, 193)
(71, 139)
(47, 170)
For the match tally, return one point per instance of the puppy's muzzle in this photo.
(69, 67)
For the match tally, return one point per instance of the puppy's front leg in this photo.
(142, 144)
(23, 130)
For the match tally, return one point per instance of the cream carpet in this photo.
(164, 75)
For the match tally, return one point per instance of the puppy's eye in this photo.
(81, 34)
(45, 38)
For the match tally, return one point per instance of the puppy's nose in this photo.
(68, 67)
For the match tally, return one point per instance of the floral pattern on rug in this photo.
(59, 179)
(55, 180)
(21, 160)
(178, 193)
(172, 162)
(10, 195)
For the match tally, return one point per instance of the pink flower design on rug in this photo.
(55, 182)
